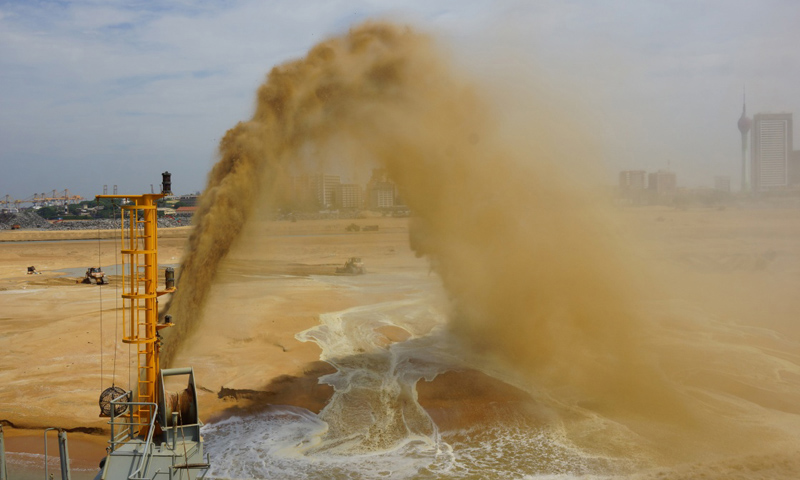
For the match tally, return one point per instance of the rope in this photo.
(100, 289)
(116, 301)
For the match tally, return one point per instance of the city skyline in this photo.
(115, 93)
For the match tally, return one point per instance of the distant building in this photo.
(632, 180)
(381, 191)
(722, 183)
(632, 185)
(348, 195)
(771, 151)
(314, 191)
(794, 169)
(188, 200)
(381, 195)
(663, 183)
(324, 188)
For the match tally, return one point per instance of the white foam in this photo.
(373, 426)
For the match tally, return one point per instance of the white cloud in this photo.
(95, 84)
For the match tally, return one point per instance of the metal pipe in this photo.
(130, 413)
(174, 430)
(63, 453)
(3, 471)
(46, 476)
(168, 372)
(111, 422)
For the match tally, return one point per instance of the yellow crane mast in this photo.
(139, 234)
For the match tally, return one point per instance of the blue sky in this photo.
(115, 92)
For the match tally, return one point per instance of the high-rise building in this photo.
(662, 182)
(771, 151)
(348, 195)
(381, 191)
(794, 169)
(325, 188)
(632, 184)
(381, 195)
(314, 191)
(632, 180)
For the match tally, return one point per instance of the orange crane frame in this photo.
(139, 296)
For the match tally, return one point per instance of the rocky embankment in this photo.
(28, 220)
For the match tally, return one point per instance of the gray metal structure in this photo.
(63, 454)
(172, 447)
(3, 471)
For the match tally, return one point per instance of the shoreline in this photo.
(89, 234)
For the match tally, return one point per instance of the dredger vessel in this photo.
(155, 435)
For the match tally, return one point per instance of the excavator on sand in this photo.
(353, 266)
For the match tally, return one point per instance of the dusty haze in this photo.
(541, 279)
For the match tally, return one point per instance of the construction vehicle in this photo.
(353, 266)
(16, 226)
(95, 274)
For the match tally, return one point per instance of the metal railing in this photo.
(129, 428)
(63, 454)
(203, 467)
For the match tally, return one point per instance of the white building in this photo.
(771, 150)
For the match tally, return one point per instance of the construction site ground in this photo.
(59, 336)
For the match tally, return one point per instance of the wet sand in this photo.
(739, 266)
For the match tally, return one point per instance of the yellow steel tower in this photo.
(139, 292)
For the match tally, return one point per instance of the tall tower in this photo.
(744, 128)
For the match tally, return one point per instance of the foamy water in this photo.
(374, 427)
(275, 444)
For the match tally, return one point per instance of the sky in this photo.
(114, 92)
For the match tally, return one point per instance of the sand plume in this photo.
(536, 275)
(520, 248)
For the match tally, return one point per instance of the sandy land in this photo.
(741, 264)
(51, 327)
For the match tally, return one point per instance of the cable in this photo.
(100, 289)
(116, 299)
